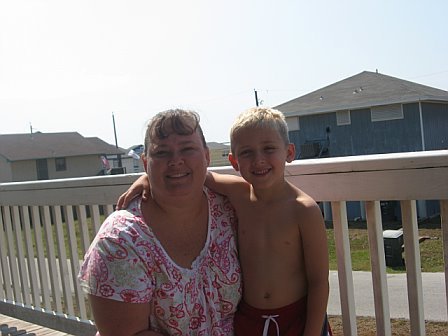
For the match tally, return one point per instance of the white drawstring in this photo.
(269, 318)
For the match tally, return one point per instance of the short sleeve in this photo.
(113, 267)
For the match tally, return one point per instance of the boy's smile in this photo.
(260, 155)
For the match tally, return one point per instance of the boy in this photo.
(281, 233)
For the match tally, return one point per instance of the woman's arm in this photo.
(120, 318)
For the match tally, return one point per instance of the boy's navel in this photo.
(267, 295)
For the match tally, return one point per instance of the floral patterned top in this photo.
(126, 262)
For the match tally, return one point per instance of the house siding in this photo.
(435, 125)
(363, 136)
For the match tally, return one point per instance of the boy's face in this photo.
(260, 156)
(177, 165)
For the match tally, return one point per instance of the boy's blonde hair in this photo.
(259, 117)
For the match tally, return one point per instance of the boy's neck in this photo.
(273, 193)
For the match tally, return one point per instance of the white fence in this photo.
(44, 224)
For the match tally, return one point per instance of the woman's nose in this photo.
(176, 159)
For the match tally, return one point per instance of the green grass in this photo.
(431, 250)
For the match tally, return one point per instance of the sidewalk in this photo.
(435, 305)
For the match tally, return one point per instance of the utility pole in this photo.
(116, 142)
(256, 97)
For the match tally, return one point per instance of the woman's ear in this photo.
(145, 162)
(207, 156)
(233, 161)
(290, 153)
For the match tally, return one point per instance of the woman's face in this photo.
(177, 165)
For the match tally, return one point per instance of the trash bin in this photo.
(393, 247)
(388, 211)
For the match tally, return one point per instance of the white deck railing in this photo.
(39, 241)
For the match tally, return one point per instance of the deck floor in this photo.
(9, 326)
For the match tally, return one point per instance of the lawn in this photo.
(431, 250)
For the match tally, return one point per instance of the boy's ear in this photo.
(290, 153)
(233, 162)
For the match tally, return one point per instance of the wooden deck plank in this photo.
(10, 322)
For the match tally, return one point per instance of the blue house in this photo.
(369, 113)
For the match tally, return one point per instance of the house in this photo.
(41, 156)
(369, 113)
(219, 153)
(133, 162)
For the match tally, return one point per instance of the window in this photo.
(386, 112)
(343, 118)
(60, 164)
(293, 123)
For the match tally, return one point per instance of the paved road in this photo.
(435, 305)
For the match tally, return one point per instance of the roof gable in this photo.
(363, 90)
(16, 147)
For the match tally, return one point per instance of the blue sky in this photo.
(67, 65)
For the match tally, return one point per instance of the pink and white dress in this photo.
(126, 262)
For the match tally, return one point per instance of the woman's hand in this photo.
(139, 187)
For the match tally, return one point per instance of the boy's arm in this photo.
(139, 187)
(314, 242)
(221, 183)
(225, 184)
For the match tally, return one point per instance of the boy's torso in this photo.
(270, 250)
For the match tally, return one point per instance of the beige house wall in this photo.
(132, 165)
(77, 166)
(23, 171)
(219, 157)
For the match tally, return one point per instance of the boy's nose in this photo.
(259, 158)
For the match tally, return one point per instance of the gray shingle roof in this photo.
(16, 147)
(363, 90)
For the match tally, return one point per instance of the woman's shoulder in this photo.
(123, 222)
(216, 198)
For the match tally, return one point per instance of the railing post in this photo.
(4, 269)
(12, 256)
(413, 267)
(377, 261)
(444, 224)
(345, 274)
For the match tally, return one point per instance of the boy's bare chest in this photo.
(263, 226)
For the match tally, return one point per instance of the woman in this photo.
(168, 266)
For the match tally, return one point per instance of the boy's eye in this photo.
(245, 153)
(270, 149)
